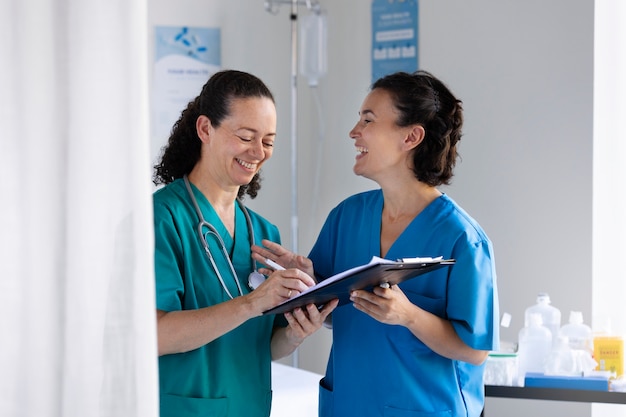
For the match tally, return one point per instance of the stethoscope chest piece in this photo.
(255, 279)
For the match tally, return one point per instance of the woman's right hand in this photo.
(279, 287)
(283, 257)
(184, 330)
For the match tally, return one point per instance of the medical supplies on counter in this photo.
(549, 355)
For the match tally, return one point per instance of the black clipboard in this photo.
(375, 273)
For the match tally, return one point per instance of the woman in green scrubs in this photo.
(215, 346)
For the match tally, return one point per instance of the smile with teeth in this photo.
(361, 149)
(246, 164)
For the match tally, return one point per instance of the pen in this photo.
(274, 265)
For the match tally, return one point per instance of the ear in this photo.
(415, 137)
(204, 128)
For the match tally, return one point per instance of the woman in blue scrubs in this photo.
(215, 346)
(418, 348)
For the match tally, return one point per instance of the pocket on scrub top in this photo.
(397, 412)
(325, 406)
(178, 406)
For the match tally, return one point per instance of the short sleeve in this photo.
(472, 296)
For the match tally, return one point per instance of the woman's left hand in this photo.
(282, 256)
(304, 321)
(387, 305)
(391, 306)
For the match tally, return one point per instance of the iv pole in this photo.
(294, 142)
(271, 7)
(295, 358)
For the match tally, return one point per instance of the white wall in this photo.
(524, 70)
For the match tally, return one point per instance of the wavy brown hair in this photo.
(182, 151)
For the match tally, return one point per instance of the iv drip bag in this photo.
(313, 43)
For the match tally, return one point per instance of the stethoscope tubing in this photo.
(211, 230)
(203, 239)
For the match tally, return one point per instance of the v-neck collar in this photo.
(414, 225)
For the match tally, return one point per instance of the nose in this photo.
(257, 150)
(354, 132)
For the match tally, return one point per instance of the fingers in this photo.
(328, 308)
(373, 297)
(268, 250)
(289, 288)
(312, 313)
(385, 291)
(280, 286)
(274, 247)
(298, 279)
(291, 279)
(275, 253)
(293, 293)
(373, 303)
(273, 256)
(387, 305)
(260, 255)
(304, 321)
(308, 319)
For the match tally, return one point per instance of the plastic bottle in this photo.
(534, 346)
(550, 315)
(579, 335)
(562, 359)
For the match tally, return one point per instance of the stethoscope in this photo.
(255, 278)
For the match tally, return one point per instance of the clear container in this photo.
(562, 359)
(550, 315)
(579, 335)
(501, 369)
(313, 47)
(534, 346)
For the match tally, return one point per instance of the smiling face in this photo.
(380, 143)
(234, 151)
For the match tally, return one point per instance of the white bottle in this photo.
(550, 315)
(579, 335)
(534, 346)
(562, 359)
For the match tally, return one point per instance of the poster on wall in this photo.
(185, 58)
(394, 37)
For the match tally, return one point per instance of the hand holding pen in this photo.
(274, 265)
(280, 256)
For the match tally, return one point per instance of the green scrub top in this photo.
(231, 376)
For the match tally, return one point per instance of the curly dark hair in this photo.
(182, 151)
(422, 99)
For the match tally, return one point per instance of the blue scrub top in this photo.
(231, 375)
(376, 369)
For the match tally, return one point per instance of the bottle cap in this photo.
(575, 317)
(543, 297)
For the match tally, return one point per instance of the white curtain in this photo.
(609, 176)
(77, 323)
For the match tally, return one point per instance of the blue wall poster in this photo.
(185, 58)
(394, 36)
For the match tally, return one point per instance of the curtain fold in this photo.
(76, 244)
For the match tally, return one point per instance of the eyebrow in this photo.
(253, 131)
(366, 111)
